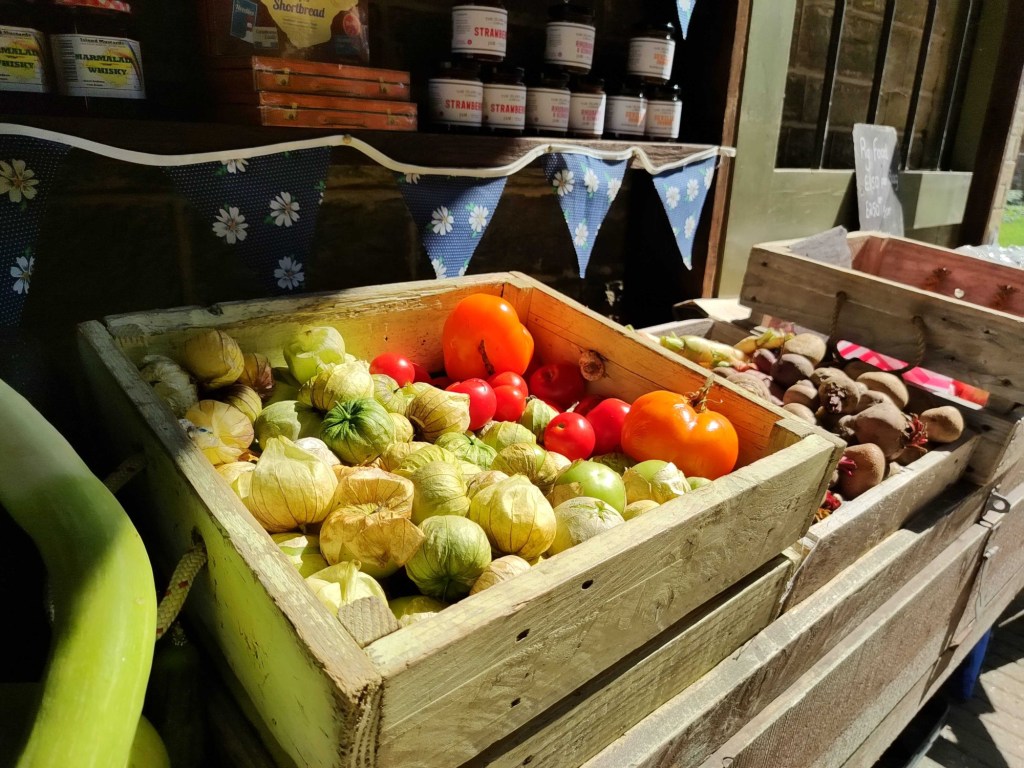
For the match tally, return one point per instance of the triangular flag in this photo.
(263, 208)
(451, 213)
(682, 192)
(28, 168)
(585, 188)
(685, 8)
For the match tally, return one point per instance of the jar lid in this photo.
(504, 70)
(106, 5)
(586, 83)
(667, 92)
(658, 28)
(551, 78)
(571, 10)
(629, 86)
(459, 69)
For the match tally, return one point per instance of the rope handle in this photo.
(917, 320)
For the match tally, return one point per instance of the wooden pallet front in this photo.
(443, 690)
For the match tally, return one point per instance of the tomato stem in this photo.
(699, 399)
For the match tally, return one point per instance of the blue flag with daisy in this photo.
(451, 213)
(263, 209)
(683, 192)
(28, 168)
(685, 8)
(585, 188)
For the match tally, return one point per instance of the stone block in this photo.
(815, 32)
(859, 48)
(793, 106)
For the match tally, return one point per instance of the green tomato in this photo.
(594, 480)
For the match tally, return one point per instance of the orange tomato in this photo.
(482, 337)
(663, 425)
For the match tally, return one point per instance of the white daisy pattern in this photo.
(564, 182)
(238, 165)
(411, 178)
(591, 182)
(17, 181)
(22, 273)
(689, 227)
(442, 221)
(284, 210)
(672, 197)
(692, 190)
(613, 189)
(582, 233)
(478, 218)
(686, 5)
(709, 176)
(230, 224)
(289, 273)
(440, 270)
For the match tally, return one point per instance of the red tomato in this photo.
(398, 367)
(586, 404)
(422, 374)
(607, 418)
(511, 402)
(560, 383)
(508, 377)
(483, 336)
(482, 400)
(570, 435)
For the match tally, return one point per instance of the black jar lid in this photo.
(571, 11)
(551, 78)
(627, 86)
(587, 84)
(505, 74)
(667, 92)
(458, 69)
(655, 28)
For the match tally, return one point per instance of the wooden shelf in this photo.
(430, 149)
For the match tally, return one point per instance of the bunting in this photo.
(683, 192)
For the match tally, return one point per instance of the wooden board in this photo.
(442, 690)
(692, 725)
(973, 343)
(834, 707)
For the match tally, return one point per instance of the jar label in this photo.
(663, 119)
(456, 102)
(307, 22)
(651, 57)
(548, 109)
(505, 106)
(265, 38)
(479, 30)
(23, 60)
(570, 44)
(99, 66)
(586, 113)
(626, 114)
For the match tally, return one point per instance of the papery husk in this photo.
(344, 583)
(454, 553)
(387, 392)
(172, 383)
(540, 466)
(439, 489)
(537, 416)
(468, 448)
(285, 387)
(404, 433)
(412, 608)
(369, 485)
(358, 431)
(222, 431)
(233, 469)
(415, 388)
(435, 412)
(666, 484)
(258, 374)
(620, 462)
(423, 456)
(213, 357)
(516, 517)
(290, 488)
(470, 470)
(393, 456)
(580, 519)
(243, 398)
(303, 550)
(502, 569)
(638, 508)
(287, 418)
(482, 480)
(318, 448)
(499, 435)
(337, 383)
(382, 540)
(311, 349)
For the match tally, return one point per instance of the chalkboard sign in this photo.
(877, 163)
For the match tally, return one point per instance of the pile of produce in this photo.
(864, 406)
(378, 480)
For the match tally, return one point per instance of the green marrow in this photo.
(104, 597)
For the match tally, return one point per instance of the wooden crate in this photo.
(443, 690)
(835, 543)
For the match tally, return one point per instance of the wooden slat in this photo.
(915, 92)
(594, 715)
(835, 42)
(689, 727)
(865, 676)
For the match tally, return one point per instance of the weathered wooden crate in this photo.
(442, 691)
(904, 298)
(833, 544)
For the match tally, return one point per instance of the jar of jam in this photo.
(480, 30)
(97, 57)
(456, 96)
(504, 107)
(627, 110)
(571, 35)
(652, 51)
(26, 70)
(664, 114)
(547, 104)
(587, 107)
